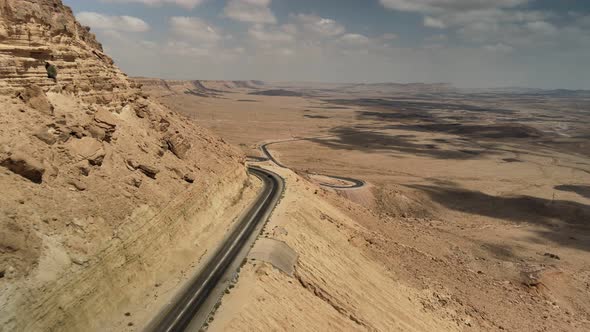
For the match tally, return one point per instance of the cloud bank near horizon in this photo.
(464, 42)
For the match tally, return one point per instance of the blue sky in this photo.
(470, 43)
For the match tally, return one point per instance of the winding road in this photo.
(355, 183)
(191, 308)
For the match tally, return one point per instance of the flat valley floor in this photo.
(483, 198)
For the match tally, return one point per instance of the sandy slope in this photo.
(479, 202)
(335, 285)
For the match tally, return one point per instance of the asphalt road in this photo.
(191, 308)
(355, 183)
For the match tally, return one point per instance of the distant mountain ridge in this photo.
(211, 88)
(530, 91)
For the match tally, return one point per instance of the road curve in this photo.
(355, 183)
(194, 304)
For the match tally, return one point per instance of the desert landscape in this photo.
(149, 204)
(477, 198)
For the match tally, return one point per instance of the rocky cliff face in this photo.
(200, 88)
(105, 193)
(35, 31)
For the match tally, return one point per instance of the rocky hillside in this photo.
(105, 193)
(200, 88)
(35, 31)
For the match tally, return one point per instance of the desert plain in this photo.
(477, 198)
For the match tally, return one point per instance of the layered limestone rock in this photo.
(35, 31)
(96, 205)
(198, 88)
(105, 193)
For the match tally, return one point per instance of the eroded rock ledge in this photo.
(35, 31)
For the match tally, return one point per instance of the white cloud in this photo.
(318, 25)
(430, 6)
(499, 48)
(285, 33)
(432, 22)
(485, 22)
(389, 36)
(542, 27)
(489, 16)
(355, 39)
(516, 33)
(189, 4)
(185, 49)
(250, 11)
(484, 43)
(179, 53)
(148, 44)
(489, 22)
(194, 28)
(437, 38)
(112, 34)
(312, 37)
(112, 23)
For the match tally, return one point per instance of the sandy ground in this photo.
(479, 200)
(334, 285)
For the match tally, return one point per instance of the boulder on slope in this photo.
(178, 144)
(87, 148)
(35, 98)
(25, 166)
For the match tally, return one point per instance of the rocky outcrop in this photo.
(34, 97)
(178, 145)
(86, 148)
(148, 170)
(24, 166)
(199, 88)
(35, 31)
(101, 186)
